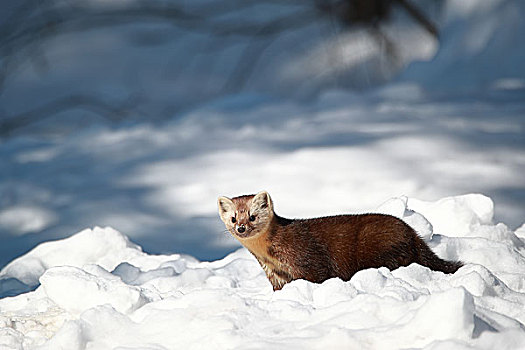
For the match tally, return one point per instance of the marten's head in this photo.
(246, 216)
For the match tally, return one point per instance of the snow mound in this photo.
(99, 291)
(104, 247)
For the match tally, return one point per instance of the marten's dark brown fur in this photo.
(322, 248)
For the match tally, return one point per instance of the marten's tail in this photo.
(429, 259)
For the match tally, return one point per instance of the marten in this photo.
(321, 248)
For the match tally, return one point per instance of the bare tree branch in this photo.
(419, 17)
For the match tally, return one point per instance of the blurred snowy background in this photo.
(138, 114)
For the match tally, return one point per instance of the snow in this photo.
(26, 219)
(476, 51)
(344, 152)
(440, 146)
(97, 290)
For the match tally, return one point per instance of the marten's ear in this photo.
(261, 202)
(226, 209)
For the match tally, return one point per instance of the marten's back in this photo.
(349, 243)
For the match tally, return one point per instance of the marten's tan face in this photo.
(246, 216)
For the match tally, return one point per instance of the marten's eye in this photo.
(252, 218)
(233, 220)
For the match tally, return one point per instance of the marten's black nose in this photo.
(241, 229)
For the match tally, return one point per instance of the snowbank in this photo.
(99, 291)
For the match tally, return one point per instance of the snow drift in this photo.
(97, 290)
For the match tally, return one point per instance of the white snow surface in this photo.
(100, 291)
(450, 124)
